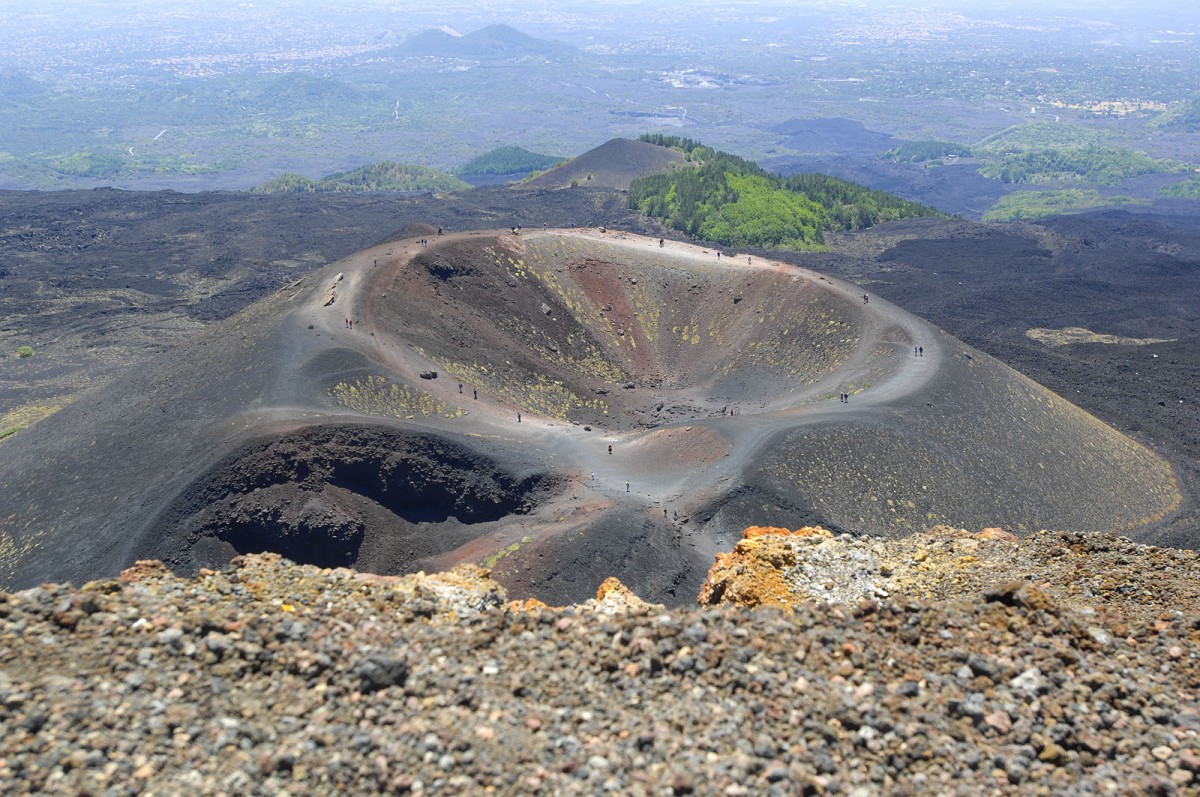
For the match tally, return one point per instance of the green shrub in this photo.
(1102, 166)
(25, 351)
(1023, 205)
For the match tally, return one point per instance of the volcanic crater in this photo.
(561, 405)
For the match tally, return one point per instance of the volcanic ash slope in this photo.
(715, 380)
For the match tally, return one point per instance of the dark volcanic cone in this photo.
(561, 406)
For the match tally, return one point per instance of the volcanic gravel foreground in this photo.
(562, 406)
(271, 678)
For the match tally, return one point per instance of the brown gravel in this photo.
(272, 678)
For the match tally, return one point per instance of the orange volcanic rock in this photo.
(778, 567)
(530, 605)
(613, 597)
(764, 531)
(994, 533)
(144, 570)
(753, 574)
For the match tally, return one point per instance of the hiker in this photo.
(664, 513)
(518, 417)
(475, 393)
(749, 260)
(626, 485)
(718, 255)
(439, 230)
(661, 243)
(460, 388)
(866, 299)
(593, 475)
(610, 450)
(920, 351)
(915, 352)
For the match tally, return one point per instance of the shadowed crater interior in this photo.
(350, 495)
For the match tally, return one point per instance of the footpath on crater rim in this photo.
(1060, 664)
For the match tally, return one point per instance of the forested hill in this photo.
(732, 201)
(381, 176)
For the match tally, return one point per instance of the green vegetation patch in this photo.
(24, 352)
(736, 203)
(89, 164)
(1043, 135)
(1021, 205)
(921, 151)
(1184, 117)
(1101, 166)
(26, 415)
(1188, 189)
(382, 176)
(508, 160)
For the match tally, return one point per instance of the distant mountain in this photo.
(613, 164)
(491, 43)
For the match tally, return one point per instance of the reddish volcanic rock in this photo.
(754, 573)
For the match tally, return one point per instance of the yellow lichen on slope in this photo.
(375, 395)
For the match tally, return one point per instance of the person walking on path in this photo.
(475, 393)
(518, 417)
(610, 450)
(866, 299)
(626, 485)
